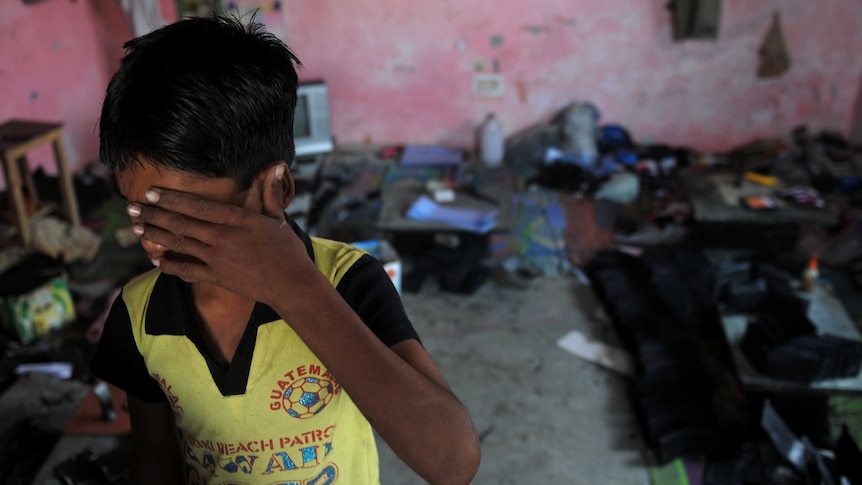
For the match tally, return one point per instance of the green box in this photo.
(36, 312)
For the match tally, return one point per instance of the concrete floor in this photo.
(545, 416)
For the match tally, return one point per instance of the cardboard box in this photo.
(386, 254)
(38, 311)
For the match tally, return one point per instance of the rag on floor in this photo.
(59, 239)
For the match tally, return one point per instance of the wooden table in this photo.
(714, 198)
(492, 189)
(17, 138)
(398, 198)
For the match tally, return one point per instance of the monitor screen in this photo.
(301, 121)
(311, 131)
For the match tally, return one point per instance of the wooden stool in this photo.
(17, 138)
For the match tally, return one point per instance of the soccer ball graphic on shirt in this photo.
(307, 397)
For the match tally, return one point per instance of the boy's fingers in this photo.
(178, 224)
(192, 205)
(187, 271)
(170, 241)
(273, 192)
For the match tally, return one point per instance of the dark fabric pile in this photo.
(662, 306)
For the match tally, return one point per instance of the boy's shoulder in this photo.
(334, 252)
(332, 245)
(135, 300)
(335, 258)
(140, 287)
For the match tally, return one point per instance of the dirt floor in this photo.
(544, 415)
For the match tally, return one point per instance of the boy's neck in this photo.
(222, 318)
(208, 293)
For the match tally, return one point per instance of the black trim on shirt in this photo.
(304, 237)
(162, 317)
(117, 359)
(178, 317)
(232, 379)
(168, 313)
(368, 290)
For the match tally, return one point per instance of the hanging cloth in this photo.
(774, 58)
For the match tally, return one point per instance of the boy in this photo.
(252, 353)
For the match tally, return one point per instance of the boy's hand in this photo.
(241, 250)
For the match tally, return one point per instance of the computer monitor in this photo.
(311, 132)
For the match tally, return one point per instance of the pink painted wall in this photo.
(400, 71)
(856, 130)
(56, 58)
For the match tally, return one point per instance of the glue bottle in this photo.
(491, 142)
(810, 275)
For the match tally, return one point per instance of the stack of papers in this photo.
(430, 155)
(480, 222)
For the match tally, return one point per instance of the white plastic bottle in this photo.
(491, 143)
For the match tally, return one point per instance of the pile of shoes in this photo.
(87, 467)
(801, 358)
(660, 303)
(779, 340)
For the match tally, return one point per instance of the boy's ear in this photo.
(275, 193)
(288, 186)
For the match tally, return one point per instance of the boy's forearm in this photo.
(156, 454)
(157, 467)
(417, 414)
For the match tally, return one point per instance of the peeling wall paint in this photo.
(617, 55)
(856, 130)
(56, 59)
(402, 71)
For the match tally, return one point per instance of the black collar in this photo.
(170, 312)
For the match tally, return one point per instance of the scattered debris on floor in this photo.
(578, 344)
(60, 240)
(698, 259)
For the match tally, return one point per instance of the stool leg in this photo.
(67, 188)
(13, 180)
(29, 184)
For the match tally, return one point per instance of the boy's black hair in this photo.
(210, 96)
